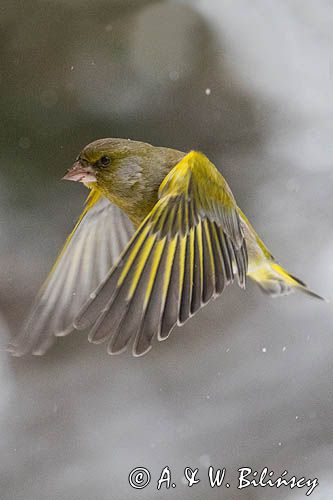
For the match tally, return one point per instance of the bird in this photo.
(160, 236)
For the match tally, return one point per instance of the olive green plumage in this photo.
(136, 171)
(160, 236)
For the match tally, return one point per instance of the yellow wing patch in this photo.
(184, 253)
(93, 197)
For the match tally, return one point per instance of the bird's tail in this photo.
(276, 281)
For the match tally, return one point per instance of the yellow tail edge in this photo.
(276, 281)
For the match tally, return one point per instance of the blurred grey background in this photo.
(249, 380)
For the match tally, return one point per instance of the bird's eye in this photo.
(105, 161)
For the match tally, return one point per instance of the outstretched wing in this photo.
(93, 247)
(185, 252)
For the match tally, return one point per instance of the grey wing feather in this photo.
(92, 251)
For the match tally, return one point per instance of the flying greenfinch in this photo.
(159, 237)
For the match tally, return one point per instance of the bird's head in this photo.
(107, 160)
(127, 172)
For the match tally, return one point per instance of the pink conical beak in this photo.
(80, 173)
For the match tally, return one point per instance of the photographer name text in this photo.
(246, 477)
